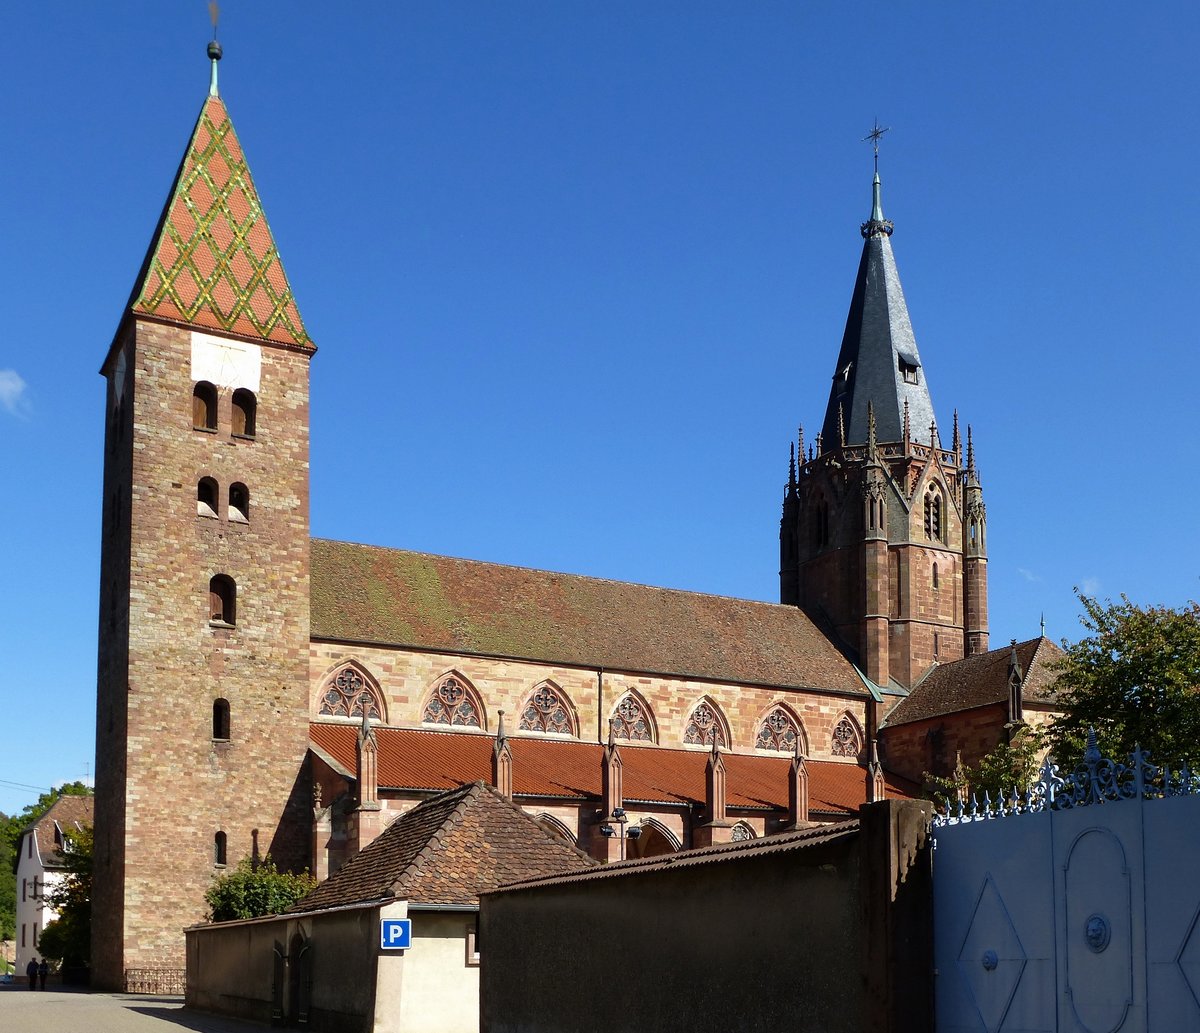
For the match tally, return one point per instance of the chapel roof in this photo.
(877, 341)
(67, 814)
(448, 850)
(426, 759)
(977, 681)
(213, 263)
(394, 597)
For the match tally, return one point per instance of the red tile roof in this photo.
(978, 681)
(213, 263)
(420, 759)
(363, 593)
(448, 850)
(785, 842)
(68, 813)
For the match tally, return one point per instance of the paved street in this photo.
(72, 1011)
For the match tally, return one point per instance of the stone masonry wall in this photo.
(179, 786)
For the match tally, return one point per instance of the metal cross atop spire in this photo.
(876, 132)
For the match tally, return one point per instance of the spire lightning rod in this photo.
(876, 132)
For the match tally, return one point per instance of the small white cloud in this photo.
(1090, 586)
(12, 392)
(1028, 575)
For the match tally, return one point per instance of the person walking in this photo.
(31, 970)
(43, 972)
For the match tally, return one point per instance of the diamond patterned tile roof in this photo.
(213, 263)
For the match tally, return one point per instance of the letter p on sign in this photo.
(395, 934)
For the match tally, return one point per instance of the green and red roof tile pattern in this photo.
(213, 264)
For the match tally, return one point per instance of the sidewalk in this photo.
(70, 1010)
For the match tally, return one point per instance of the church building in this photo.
(264, 692)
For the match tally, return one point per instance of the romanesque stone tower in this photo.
(202, 697)
(884, 533)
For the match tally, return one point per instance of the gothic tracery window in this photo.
(742, 832)
(846, 742)
(703, 724)
(345, 694)
(631, 720)
(452, 703)
(778, 731)
(547, 710)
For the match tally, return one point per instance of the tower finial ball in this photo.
(214, 51)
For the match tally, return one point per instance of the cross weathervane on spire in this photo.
(876, 132)
(214, 48)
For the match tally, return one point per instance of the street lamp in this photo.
(622, 819)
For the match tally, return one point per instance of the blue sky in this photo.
(577, 271)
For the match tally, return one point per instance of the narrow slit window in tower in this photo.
(220, 722)
(935, 577)
(219, 855)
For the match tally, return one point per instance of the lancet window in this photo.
(631, 720)
(779, 731)
(547, 710)
(933, 516)
(453, 703)
(704, 723)
(846, 740)
(347, 692)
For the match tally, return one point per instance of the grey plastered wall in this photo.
(805, 940)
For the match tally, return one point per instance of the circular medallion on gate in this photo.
(1097, 933)
(990, 961)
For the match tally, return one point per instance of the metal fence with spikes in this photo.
(1097, 780)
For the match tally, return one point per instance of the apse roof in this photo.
(980, 680)
(363, 593)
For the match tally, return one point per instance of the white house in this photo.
(39, 869)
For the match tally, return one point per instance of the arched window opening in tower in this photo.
(631, 721)
(346, 693)
(245, 413)
(846, 739)
(547, 710)
(452, 703)
(704, 723)
(239, 503)
(821, 522)
(204, 406)
(222, 600)
(220, 720)
(207, 493)
(219, 850)
(779, 732)
(933, 515)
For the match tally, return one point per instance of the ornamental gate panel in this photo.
(1074, 908)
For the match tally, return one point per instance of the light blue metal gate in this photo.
(1075, 907)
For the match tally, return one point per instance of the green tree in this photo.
(1135, 679)
(68, 938)
(1011, 765)
(252, 890)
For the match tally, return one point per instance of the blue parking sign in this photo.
(395, 934)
